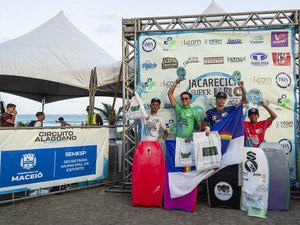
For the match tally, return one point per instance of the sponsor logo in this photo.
(281, 58)
(149, 44)
(236, 59)
(149, 86)
(283, 101)
(191, 60)
(169, 63)
(56, 136)
(77, 153)
(28, 161)
(283, 80)
(167, 84)
(287, 145)
(279, 39)
(167, 106)
(213, 60)
(169, 43)
(191, 43)
(149, 65)
(261, 80)
(223, 191)
(285, 124)
(251, 165)
(259, 59)
(231, 41)
(215, 41)
(257, 39)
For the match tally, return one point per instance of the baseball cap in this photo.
(60, 118)
(155, 100)
(253, 111)
(221, 95)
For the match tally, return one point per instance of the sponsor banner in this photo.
(216, 61)
(32, 159)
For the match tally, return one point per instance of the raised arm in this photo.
(244, 92)
(273, 116)
(171, 91)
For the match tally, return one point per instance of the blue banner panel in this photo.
(32, 166)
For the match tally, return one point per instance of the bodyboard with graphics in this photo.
(256, 178)
(148, 174)
(224, 188)
(279, 193)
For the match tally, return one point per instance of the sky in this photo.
(101, 21)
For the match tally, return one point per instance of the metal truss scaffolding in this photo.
(132, 27)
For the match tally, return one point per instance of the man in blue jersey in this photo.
(216, 114)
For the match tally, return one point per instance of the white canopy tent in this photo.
(54, 62)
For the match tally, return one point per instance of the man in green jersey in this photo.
(186, 116)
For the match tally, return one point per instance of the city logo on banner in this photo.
(149, 44)
(259, 59)
(236, 59)
(256, 39)
(283, 80)
(231, 41)
(169, 44)
(149, 65)
(191, 60)
(279, 39)
(213, 41)
(28, 161)
(191, 43)
(281, 58)
(213, 60)
(169, 63)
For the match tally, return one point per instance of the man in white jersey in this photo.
(152, 123)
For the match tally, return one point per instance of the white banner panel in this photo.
(38, 158)
(214, 61)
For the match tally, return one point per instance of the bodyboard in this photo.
(256, 178)
(279, 194)
(148, 174)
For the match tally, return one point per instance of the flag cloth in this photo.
(231, 130)
(183, 180)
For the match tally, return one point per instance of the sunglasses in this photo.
(184, 99)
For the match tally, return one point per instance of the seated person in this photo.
(62, 122)
(8, 118)
(40, 118)
(255, 131)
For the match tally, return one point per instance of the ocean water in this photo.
(72, 119)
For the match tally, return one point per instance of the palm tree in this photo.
(111, 115)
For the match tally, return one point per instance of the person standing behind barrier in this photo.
(255, 131)
(40, 118)
(62, 122)
(186, 116)
(8, 118)
(96, 118)
(216, 114)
